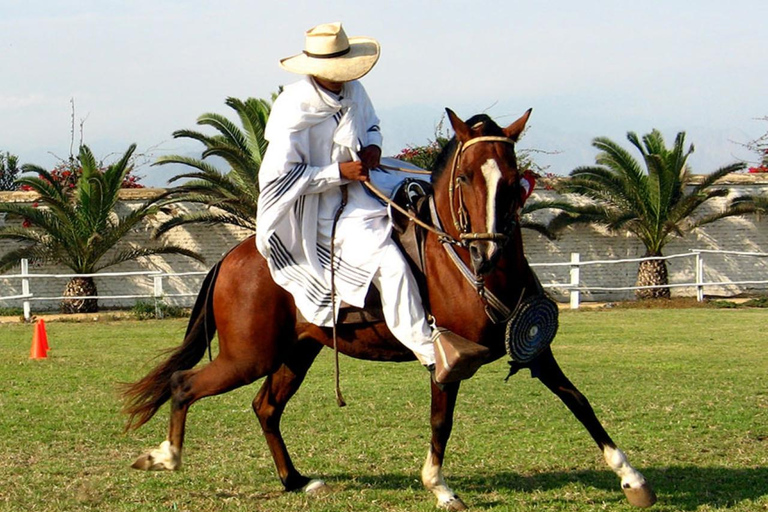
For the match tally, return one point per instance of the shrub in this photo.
(145, 310)
(759, 302)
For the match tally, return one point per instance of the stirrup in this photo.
(456, 358)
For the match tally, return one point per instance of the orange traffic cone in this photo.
(40, 347)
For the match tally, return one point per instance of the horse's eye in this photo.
(462, 178)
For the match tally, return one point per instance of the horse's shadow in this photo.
(678, 487)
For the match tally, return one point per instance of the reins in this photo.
(442, 235)
(339, 398)
(458, 211)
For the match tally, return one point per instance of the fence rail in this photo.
(573, 288)
(27, 297)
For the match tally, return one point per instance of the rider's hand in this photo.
(370, 156)
(355, 171)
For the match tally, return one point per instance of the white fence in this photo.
(571, 289)
(27, 297)
(574, 287)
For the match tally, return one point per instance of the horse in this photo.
(478, 186)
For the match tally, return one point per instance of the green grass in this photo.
(682, 392)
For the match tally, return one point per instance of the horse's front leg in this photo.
(443, 405)
(633, 483)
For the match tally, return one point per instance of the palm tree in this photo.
(78, 227)
(655, 203)
(229, 197)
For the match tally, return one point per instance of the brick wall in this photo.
(747, 233)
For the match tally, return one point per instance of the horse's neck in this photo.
(458, 304)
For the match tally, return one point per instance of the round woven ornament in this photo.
(532, 328)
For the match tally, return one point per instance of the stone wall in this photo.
(746, 233)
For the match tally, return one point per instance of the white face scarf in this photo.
(318, 105)
(348, 135)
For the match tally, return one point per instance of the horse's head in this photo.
(485, 190)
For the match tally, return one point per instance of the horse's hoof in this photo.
(454, 505)
(148, 463)
(316, 487)
(164, 458)
(642, 496)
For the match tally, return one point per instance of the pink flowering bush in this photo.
(423, 156)
(67, 173)
(759, 146)
(763, 167)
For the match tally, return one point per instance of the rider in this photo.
(324, 137)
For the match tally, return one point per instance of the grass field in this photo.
(683, 392)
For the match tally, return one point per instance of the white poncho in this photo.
(309, 132)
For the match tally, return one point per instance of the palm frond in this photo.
(206, 140)
(203, 217)
(751, 203)
(540, 227)
(195, 163)
(33, 253)
(131, 254)
(232, 133)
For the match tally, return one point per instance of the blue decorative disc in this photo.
(532, 328)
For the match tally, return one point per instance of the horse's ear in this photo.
(514, 130)
(463, 132)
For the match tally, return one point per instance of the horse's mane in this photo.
(488, 127)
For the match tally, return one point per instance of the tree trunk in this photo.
(652, 272)
(80, 287)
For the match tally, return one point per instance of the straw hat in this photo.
(330, 54)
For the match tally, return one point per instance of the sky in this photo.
(139, 70)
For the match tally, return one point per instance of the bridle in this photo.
(459, 212)
(496, 310)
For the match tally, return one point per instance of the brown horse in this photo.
(477, 184)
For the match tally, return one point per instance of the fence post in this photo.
(575, 271)
(25, 289)
(699, 277)
(158, 293)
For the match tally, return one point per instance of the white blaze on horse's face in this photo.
(492, 175)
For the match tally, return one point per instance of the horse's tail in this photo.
(144, 397)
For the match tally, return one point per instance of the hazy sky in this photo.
(140, 69)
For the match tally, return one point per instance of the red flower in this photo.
(26, 223)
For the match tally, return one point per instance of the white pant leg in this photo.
(400, 299)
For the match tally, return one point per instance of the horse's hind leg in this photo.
(187, 387)
(270, 403)
(633, 483)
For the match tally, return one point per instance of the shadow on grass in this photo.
(678, 488)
